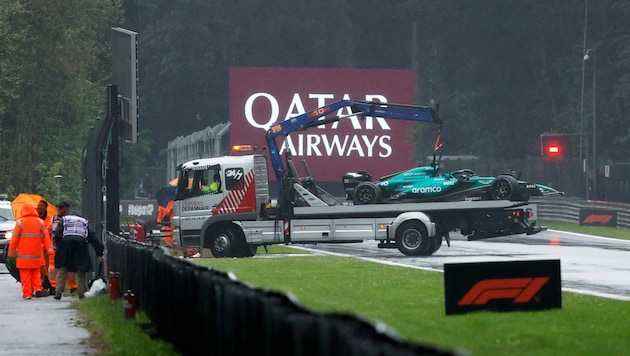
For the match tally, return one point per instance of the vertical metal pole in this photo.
(582, 107)
(112, 222)
(58, 177)
(587, 168)
(594, 131)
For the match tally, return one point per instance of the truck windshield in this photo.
(197, 182)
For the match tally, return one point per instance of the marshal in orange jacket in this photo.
(29, 239)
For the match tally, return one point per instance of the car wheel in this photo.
(366, 193)
(412, 239)
(504, 187)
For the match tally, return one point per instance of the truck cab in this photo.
(211, 187)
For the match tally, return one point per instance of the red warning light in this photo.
(555, 146)
(553, 149)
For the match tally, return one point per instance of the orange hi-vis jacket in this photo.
(48, 231)
(165, 214)
(164, 220)
(29, 239)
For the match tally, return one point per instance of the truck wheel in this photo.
(412, 239)
(249, 250)
(366, 193)
(436, 243)
(223, 242)
(504, 187)
(245, 249)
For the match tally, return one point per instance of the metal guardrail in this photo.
(568, 209)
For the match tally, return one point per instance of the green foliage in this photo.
(12, 38)
(57, 92)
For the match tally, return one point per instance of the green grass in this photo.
(408, 300)
(112, 334)
(590, 230)
(412, 302)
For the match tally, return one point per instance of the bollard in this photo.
(114, 285)
(129, 305)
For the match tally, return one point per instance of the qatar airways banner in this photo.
(261, 97)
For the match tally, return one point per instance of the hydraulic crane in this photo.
(318, 117)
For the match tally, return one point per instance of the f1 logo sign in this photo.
(598, 217)
(502, 286)
(519, 290)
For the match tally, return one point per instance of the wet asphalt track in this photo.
(589, 264)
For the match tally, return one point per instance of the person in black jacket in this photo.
(72, 236)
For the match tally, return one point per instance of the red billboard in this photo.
(260, 97)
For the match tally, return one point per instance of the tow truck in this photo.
(240, 216)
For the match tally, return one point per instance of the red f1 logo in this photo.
(597, 219)
(521, 290)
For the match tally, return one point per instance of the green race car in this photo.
(427, 184)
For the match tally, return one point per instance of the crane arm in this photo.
(318, 117)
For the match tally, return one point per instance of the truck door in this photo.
(199, 191)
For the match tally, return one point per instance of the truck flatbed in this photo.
(395, 209)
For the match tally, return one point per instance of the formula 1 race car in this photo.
(426, 184)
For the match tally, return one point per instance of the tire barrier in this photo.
(198, 309)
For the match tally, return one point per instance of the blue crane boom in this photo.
(318, 117)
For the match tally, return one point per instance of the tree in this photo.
(59, 62)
